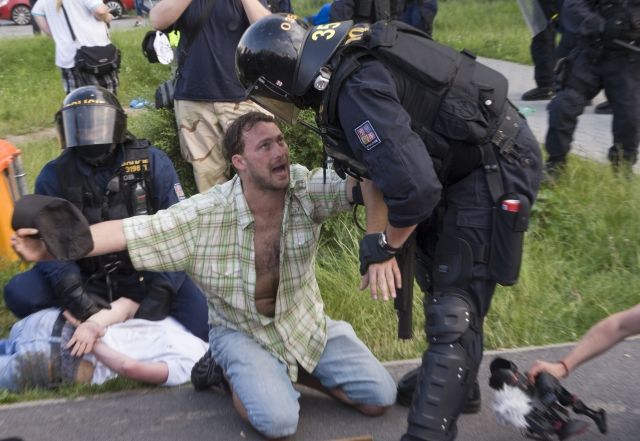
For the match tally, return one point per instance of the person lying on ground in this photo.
(43, 350)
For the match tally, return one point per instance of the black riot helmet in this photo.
(92, 121)
(279, 59)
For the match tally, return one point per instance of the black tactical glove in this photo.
(158, 299)
(77, 300)
(207, 373)
(372, 250)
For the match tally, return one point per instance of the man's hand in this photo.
(85, 337)
(383, 278)
(556, 369)
(27, 243)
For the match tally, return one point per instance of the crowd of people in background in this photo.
(226, 278)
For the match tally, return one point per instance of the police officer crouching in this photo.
(447, 153)
(108, 174)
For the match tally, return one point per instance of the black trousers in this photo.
(617, 71)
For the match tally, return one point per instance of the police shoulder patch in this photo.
(179, 192)
(367, 135)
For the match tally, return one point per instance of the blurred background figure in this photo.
(418, 13)
(84, 17)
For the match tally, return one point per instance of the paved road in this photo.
(609, 382)
(10, 29)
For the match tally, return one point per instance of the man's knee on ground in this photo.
(372, 410)
(273, 422)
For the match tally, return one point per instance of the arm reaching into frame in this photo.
(601, 337)
(108, 237)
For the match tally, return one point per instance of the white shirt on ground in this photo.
(88, 30)
(160, 341)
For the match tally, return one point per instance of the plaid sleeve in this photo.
(165, 240)
(329, 196)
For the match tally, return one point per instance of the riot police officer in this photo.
(108, 174)
(606, 58)
(444, 150)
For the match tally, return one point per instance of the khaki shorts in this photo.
(201, 128)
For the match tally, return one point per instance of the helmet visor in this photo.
(274, 99)
(91, 125)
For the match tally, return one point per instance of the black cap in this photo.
(62, 226)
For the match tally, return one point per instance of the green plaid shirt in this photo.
(210, 236)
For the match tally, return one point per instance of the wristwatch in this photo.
(382, 242)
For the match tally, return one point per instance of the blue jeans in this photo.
(25, 355)
(263, 386)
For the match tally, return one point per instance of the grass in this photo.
(581, 255)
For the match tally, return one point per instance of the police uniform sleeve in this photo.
(166, 185)
(379, 133)
(54, 271)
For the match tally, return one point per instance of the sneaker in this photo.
(137, 24)
(538, 94)
(603, 108)
(207, 373)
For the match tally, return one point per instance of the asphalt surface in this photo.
(181, 413)
(10, 29)
(609, 382)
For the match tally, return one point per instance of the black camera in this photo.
(540, 410)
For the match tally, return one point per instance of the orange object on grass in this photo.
(11, 178)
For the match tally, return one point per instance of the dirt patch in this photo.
(34, 136)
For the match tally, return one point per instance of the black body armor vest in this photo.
(128, 193)
(454, 102)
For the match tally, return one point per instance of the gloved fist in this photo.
(372, 252)
(77, 300)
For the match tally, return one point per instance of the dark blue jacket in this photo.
(166, 192)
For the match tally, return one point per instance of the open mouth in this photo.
(281, 169)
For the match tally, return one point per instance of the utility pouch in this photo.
(510, 221)
(164, 94)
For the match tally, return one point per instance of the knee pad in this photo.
(449, 316)
(440, 393)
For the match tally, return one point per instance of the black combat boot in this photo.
(539, 94)
(604, 108)
(554, 166)
(622, 161)
(207, 373)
